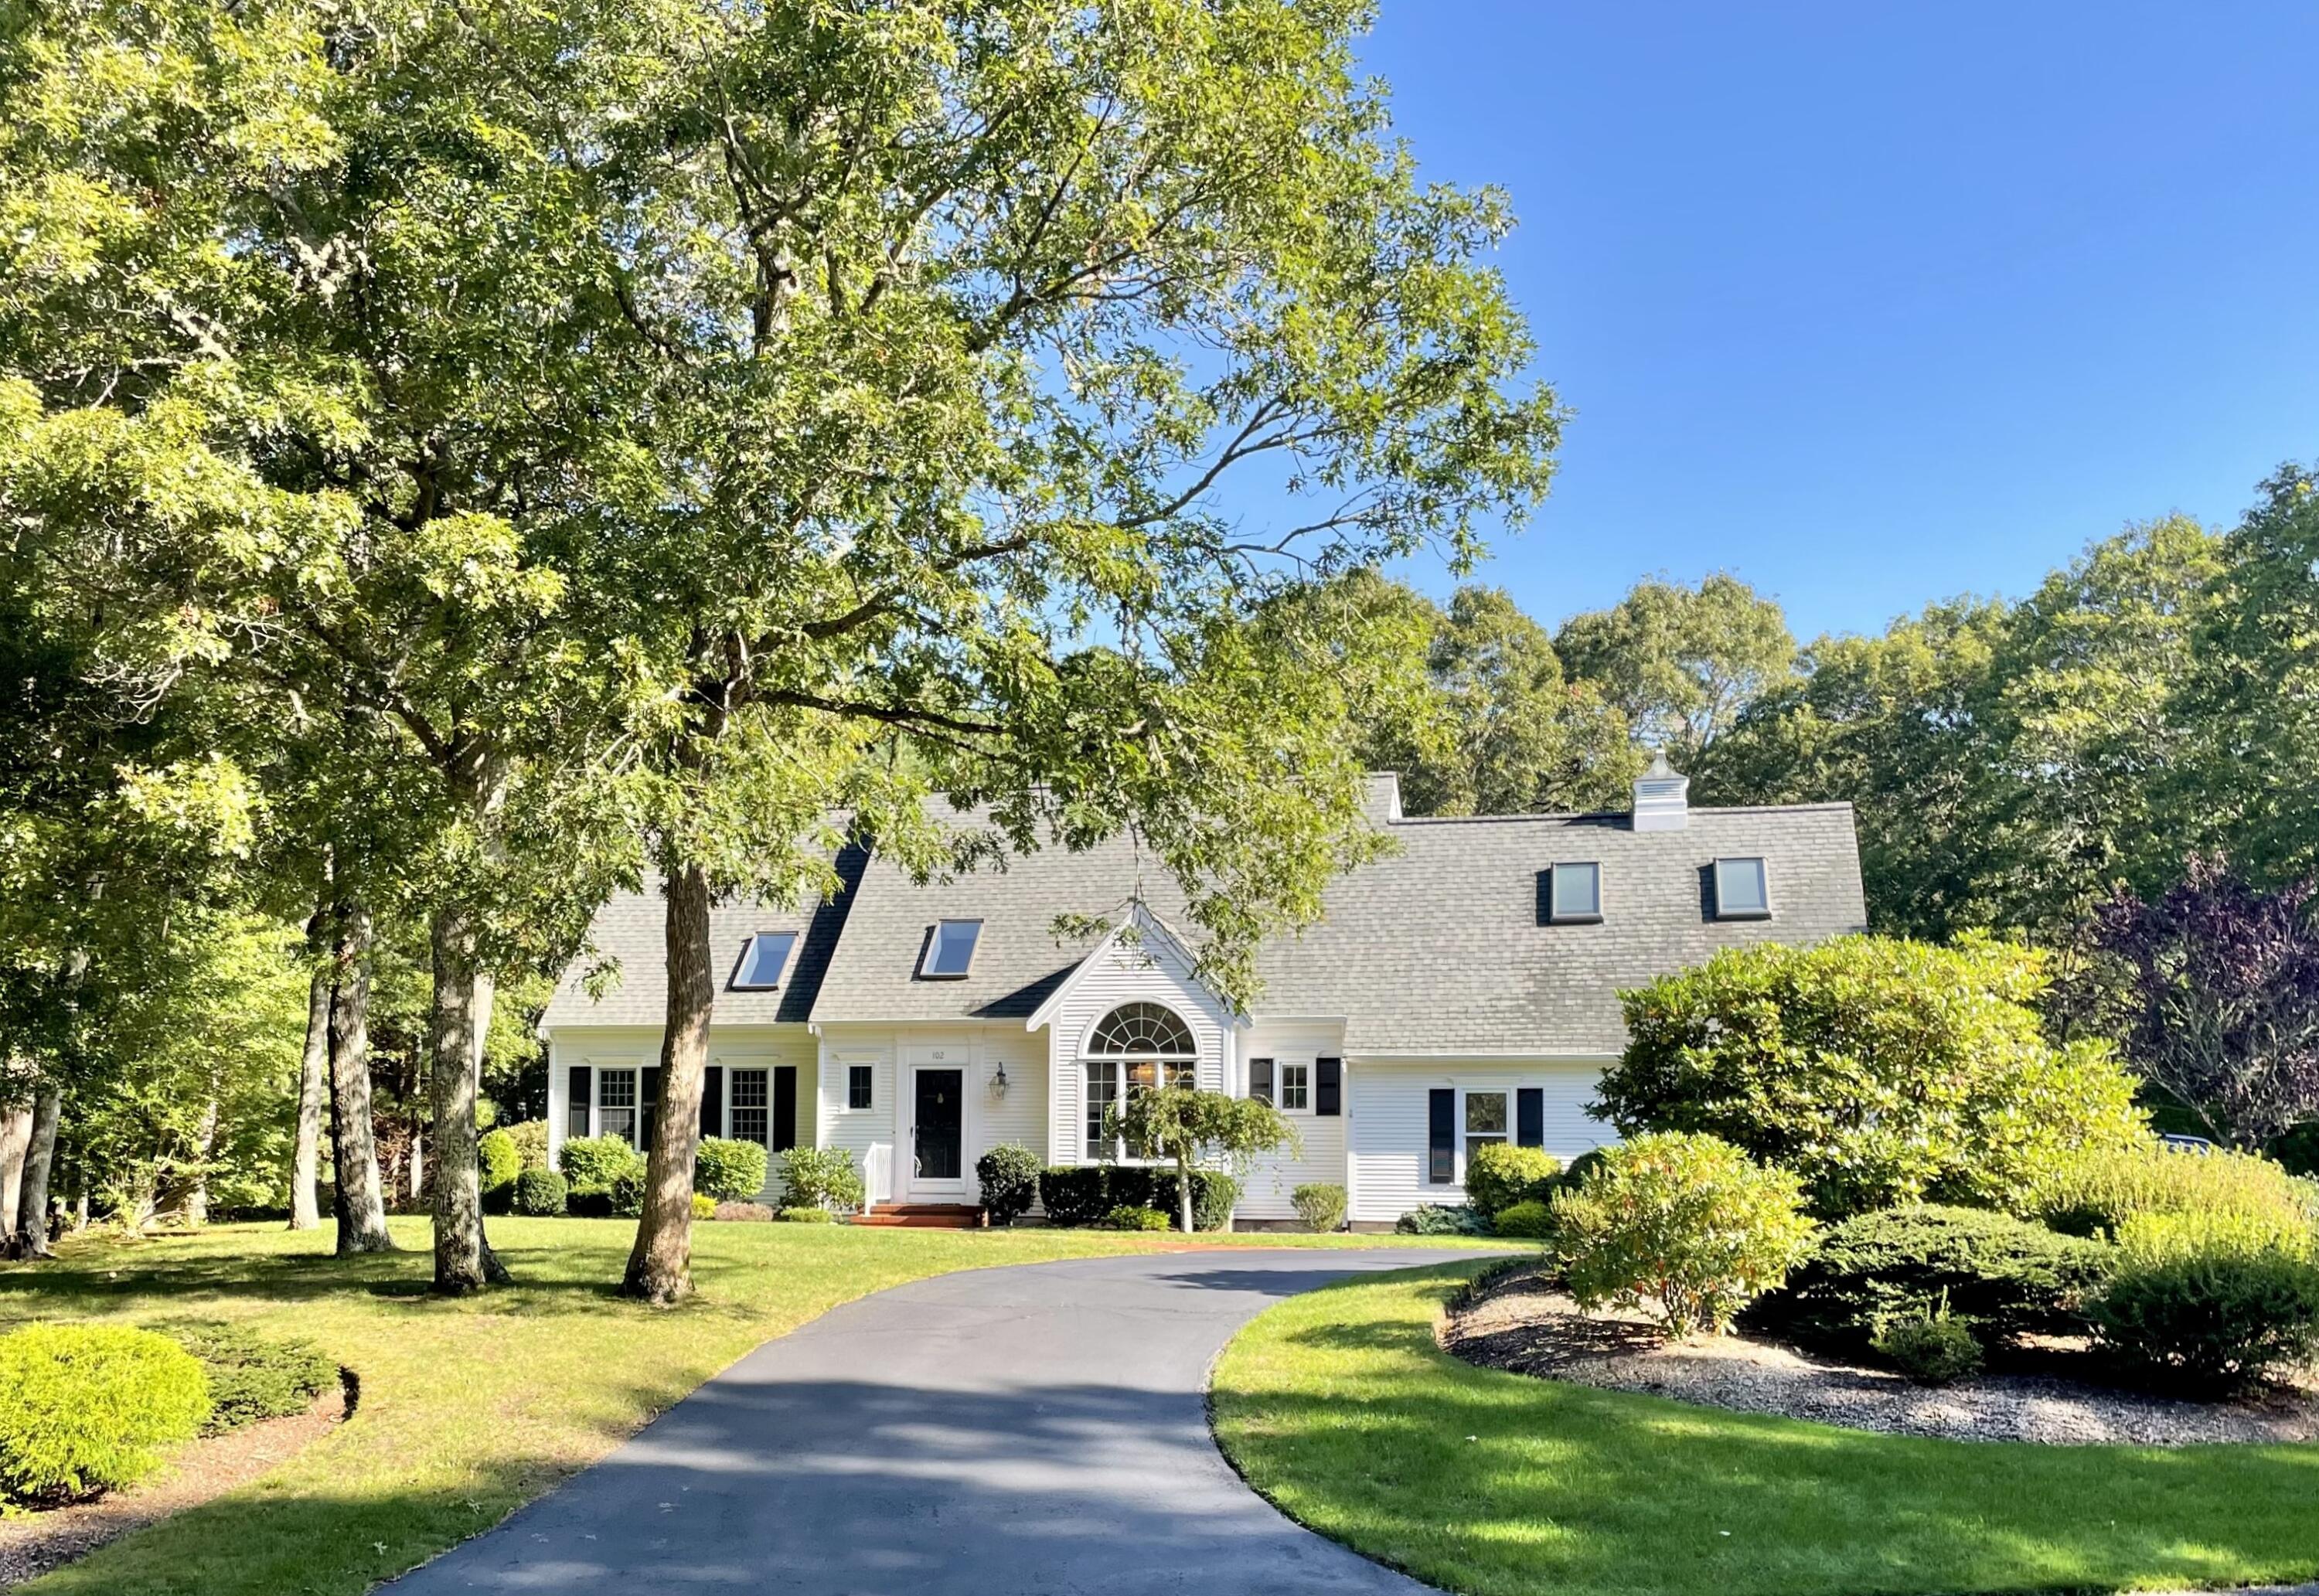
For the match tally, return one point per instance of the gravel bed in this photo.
(1527, 1326)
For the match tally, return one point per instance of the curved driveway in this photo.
(1039, 1428)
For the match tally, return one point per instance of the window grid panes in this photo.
(1102, 1092)
(950, 951)
(616, 1103)
(1105, 1077)
(752, 1118)
(1578, 891)
(1295, 1088)
(1485, 1120)
(1146, 1029)
(767, 956)
(858, 1077)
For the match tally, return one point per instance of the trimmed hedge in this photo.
(1320, 1205)
(540, 1192)
(253, 1377)
(820, 1177)
(1499, 1175)
(1084, 1194)
(501, 1160)
(593, 1163)
(627, 1191)
(2207, 1321)
(87, 1408)
(1127, 1216)
(724, 1170)
(1008, 1176)
(2001, 1276)
(1529, 1220)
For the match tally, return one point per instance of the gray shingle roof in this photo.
(1436, 949)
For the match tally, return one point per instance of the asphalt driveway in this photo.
(1038, 1428)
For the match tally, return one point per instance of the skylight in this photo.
(950, 951)
(1577, 889)
(1742, 891)
(765, 958)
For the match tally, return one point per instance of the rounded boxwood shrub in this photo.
(1129, 1216)
(1529, 1220)
(806, 1216)
(499, 1158)
(820, 1177)
(1931, 1351)
(628, 1190)
(1882, 1071)
(727, 1171)
(253, 1377)
(2207, 1317)
(2004, 1278)
(1684, 1228)
(1499, 1175)
(704, 1206)
(540, 1192)
(1320, 1205)
(1008, 1176)
(581, 1205)
(87, 1408)
(593, 1163)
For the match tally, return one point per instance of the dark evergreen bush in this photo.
(2002, 1277)
(1008, 1175)
(1083, 1194)
(540, 1192)
(252, 1377)
(1441, 1218)
(2203, 1321)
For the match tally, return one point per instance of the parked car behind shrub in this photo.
(2199, 1313)
(729, 1171)
(2003, 1277)
(1320, 1205)
(2103, 1191)
(540, 1193)
(1881, 1071)
(1008, 1175)
(87, 1408)
(1686, 1228)
(1499, 1175)
(820, 1177)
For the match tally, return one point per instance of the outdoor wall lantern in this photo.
(998, 1082)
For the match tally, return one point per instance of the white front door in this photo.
(933, 1143)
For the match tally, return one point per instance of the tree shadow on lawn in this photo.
(1499, 1482)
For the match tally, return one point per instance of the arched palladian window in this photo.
(1135, 1046)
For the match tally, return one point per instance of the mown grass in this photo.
(468, 1408)
(1339, 1406)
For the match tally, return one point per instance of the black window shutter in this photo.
(712, 1101)
(784, 1107)
(1441, 1137)
(1529, 1116)
(648, 1103)
(584, 1091)
(1259, 1079)
(1329, 1085)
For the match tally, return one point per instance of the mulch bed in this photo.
(1523, 1324)
(196, 1472)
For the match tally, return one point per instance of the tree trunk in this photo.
(455, 1031)
(361, 1208)
(1184, 1193)
(313, 1083)
(660, 1264)
(31, 1237)
(15, 1137)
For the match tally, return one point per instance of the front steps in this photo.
(924, 1216)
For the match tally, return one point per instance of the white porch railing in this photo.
(878, 1174)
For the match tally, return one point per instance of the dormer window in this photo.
(1743, 890)
(950, 951)
(1575, 890)
(763, 959)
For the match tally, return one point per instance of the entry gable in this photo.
(1140, 958)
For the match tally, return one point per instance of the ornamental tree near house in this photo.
(1190, 1128)
(2217, 998)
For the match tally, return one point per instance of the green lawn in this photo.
(1339, 1406)
(469, 1408)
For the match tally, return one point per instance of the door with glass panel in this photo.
(938, 1133)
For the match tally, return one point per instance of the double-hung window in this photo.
(860, 1085)
(616, 1105)
(1138, 1046)
(752, 1118)
(1486, 1121)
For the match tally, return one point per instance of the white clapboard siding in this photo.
(1387, 1106)
(1153, 972)
(857, 1131)
(1021, 1116)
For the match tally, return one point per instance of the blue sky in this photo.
(1875, 304)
